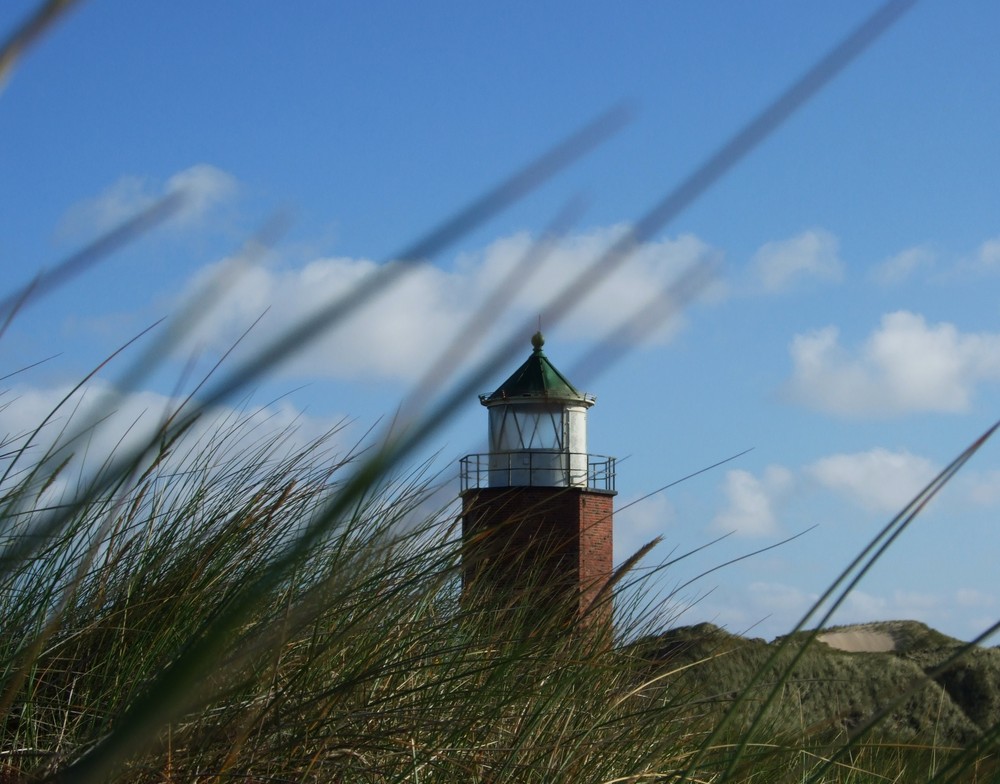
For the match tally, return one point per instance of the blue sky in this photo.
(849, 334)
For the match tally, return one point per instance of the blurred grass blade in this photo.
(487, 206)
(674, 299)
(43, 18)
(725, 158)
(772, 116)
(86, 258)
(489, 313)
(191, 313)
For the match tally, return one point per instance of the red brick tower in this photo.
(537, 509)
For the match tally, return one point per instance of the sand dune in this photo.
(859, 640)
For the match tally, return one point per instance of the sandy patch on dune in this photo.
(859, 641)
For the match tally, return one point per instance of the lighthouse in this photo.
(537, 509)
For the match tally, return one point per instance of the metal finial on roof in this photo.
(537, 341)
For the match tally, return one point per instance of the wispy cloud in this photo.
(984, 260)
(760, 607)
(639, 523)
(878, 480)
(861, 606)
(773, 607)
(903, 265)
(988, 255)
(810, 256)
(204, 188)
(751, 502)
(905, 366)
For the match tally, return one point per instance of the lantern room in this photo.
(537, 432)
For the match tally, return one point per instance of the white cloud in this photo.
(898, 268)
(639, 523)
(971, 597)
(771, 608)
(877, 480)
(779, 265)
(395, 336)
(759, 608)
(979, 607)
(119, 201)
(648, 518)
(988, 254)
(750, 509)
(98, 423)
(204, 187)
(640, 282)
(904, 366)
(984, 260)
(982, 487)
(780, 599)
(398, 334)
(784, 605)
(860, 607)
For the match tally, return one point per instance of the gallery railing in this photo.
(538, 468)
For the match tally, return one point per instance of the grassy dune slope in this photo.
(834, 692)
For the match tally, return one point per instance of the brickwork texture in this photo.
(548, 546)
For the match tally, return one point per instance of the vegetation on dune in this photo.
(357, 665)
(360, 663)
(831, 692)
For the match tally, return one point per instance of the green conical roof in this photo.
(536, 378)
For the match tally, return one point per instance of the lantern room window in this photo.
(536, 427)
